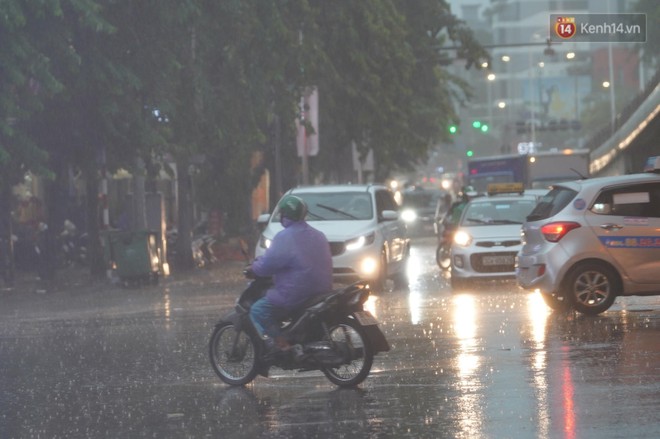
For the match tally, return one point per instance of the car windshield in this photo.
(421, 199)
(338, 206)
(497, 212)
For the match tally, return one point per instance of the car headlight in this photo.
(360, 241)
(264, 242)
(368, 266)
(408, 215)
(462, 238)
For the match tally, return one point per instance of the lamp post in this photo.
(491, 78)
(611, 81)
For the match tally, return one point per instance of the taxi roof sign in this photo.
(505, 188)
(652, 164)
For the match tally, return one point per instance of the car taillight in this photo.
(553, 232)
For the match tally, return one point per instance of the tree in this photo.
(382, 79)
(97, 121)
(222, 80)
(26, 80)
(254, 81)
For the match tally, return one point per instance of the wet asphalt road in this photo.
(107, 362)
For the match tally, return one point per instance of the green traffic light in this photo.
(469, 153)
(476, 124)
(453, 129)
(484, 128)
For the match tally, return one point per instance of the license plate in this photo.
(365, 318)
(497, 260)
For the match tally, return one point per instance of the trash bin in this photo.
(135, 255)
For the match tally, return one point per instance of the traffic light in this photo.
(478, 125)
(453, 129)
(469, 153)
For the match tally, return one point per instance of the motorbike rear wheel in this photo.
(233, 354)
(350, 333)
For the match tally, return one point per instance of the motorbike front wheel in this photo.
(233, 354)
(349, 334)
(443, 256)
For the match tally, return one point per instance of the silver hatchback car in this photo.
(589, 241)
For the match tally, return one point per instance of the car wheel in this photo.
(591, 288)
(401, 279)
(556, 303)
(379, 282)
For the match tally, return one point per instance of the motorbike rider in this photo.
(300, 263)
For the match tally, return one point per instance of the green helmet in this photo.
(293, 207)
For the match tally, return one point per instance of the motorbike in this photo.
(72, 245)
(443, 250)
(331, 333)
(202, 249)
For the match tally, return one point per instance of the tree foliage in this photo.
(202, 78)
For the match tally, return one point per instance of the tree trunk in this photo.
(185, 223)
(97, 263)
(6, 244)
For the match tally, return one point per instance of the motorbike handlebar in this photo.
(248, 273)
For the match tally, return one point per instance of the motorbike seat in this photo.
(311, 302)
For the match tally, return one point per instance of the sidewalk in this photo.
(231, 253)
(74, 295)
(72, 282)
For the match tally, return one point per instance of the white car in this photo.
(590, 241)
(487, 238)
(368, 238)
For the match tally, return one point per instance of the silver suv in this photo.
(589, 241)
(368, 239)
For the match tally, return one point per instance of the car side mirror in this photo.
(389, 215)
(263, 218)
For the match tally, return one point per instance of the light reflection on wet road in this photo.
(491, 362)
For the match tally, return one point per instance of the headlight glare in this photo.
(462, 238)
(368, 266)
(408, 215)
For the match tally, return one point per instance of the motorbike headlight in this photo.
(264, 242)
(462, 238)
(408, 215)
(360, 241)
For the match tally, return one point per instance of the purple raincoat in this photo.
(300, 262)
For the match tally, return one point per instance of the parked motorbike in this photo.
(201, 246)
(332, 333)
(72, 245)
(202, 249)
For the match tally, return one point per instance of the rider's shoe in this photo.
(297, 351)
(277, 348)
(282, 344)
